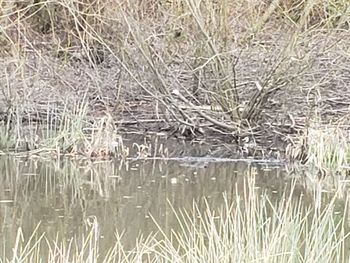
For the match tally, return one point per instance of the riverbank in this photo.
(261, 77)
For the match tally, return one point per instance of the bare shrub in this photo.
(198, 64)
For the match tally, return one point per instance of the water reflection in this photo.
(66, 197)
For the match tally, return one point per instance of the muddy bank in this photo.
(311, 86)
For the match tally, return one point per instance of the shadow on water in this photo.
(64, 196)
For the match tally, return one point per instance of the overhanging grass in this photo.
(326, 147)
(70, 131)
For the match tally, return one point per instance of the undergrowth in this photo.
(202, 64)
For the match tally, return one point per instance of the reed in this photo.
(325, 147)
(248, 227)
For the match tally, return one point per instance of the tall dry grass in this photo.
(185, 55)
(247, 227)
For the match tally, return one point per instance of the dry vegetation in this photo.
(246, 228)
(251, 214)
(253, 71)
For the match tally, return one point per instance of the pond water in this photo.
(62, 197)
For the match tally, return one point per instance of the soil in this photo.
(41, 81)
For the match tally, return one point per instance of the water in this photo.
(63, 197)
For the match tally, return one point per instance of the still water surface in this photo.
(64, 196)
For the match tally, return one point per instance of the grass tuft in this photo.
(326, 147)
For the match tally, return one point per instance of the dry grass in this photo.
(247, 227)
(69, 132)
(326, 147)
(182, 55)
